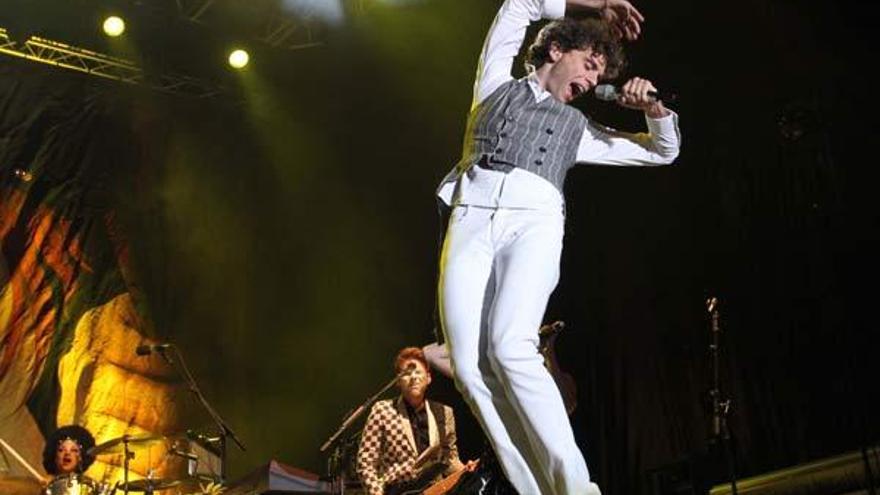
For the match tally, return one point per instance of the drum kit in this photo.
(127, 446)
(76, 484)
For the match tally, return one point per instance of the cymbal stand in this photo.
(225, 431)
(128, 455)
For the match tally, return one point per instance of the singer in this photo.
(408, 442)
(500, 257)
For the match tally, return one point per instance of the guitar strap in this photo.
(428, 477)
(440, 417)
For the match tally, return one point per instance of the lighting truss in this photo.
(58, 54)
(278, 30)
(288, 33)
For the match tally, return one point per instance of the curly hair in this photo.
(78, 434)
(408, 353)
(578, 34)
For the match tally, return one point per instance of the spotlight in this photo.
(114, 26)
(238, 59)
(23, 175)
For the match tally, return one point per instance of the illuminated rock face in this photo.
(86, 355)
(111, 391)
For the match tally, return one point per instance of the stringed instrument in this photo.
(447, 483)
(436, 488)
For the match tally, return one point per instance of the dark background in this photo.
(284, 233)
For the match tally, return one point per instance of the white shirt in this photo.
(598, 145)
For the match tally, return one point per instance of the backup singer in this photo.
(408, 442)
(500, 258)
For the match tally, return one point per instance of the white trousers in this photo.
(497, 271)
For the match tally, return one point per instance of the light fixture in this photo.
(238, 58)
(114, 26)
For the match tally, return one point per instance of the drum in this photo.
(75, 484)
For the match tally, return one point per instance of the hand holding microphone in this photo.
(637, 94)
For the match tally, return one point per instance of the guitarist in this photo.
(408, 442)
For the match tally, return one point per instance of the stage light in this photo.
(114, 26)
(23, 175)
(238, 58)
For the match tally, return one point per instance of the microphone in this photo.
(608, 92)
(199, 437)
(147, 349)
(409, 369)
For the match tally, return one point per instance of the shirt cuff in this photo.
(664, 125)
(553, 9)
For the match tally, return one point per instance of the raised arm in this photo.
(506, 35)
(505, 39)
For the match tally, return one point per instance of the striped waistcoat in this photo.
(510, 129)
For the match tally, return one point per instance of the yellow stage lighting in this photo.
(114, 26)
(238, 58)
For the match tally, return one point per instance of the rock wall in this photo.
(68, 332)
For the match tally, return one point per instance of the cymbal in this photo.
(15, 485)
(117, 445)
(148, 484)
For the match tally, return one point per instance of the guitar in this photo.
(447, 483)
(419, 487)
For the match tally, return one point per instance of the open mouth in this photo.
(576, 89)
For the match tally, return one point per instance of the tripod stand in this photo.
(217, 445)
(719, 439)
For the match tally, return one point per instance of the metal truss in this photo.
(193, 9)
(50, 52)
(279, 29)
(289, 34)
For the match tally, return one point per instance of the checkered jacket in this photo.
(387, 451)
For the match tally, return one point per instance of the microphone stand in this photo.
(334, 461)
(225, 430)
(720, 406)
